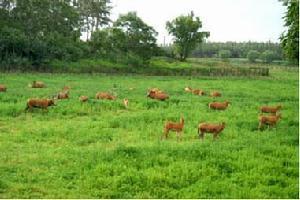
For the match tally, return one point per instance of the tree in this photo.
(224, 54)
(267, 56)
(185, 30)
(140, 39)
(290, 40)
(252, 55)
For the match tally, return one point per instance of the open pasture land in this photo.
(99, 149)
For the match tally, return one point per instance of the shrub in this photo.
(252, 55)
(267, 56)
(224, 54)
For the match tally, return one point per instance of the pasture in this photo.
(99, 149)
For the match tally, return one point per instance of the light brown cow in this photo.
(270, 109)
(158, 95)
(219, 105)
(38, 84)
(83, 98)
(105, 95)
(173, 126)
(214, 129)
(215, 94)
(270, 120)
(2, 88)
(39, 103)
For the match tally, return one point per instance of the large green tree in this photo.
(185, 30)
(140, 38)
(290, 39)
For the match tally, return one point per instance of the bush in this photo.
(252, 55)
(267, 56)
(224, 54)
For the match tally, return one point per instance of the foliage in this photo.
(139, 37)
(252, 55)
(238, 49)
(101, 150)
(185, 30)
(267, 56)
(290, 40)
(224, 54)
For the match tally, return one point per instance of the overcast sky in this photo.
(226, 20)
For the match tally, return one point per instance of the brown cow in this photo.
(105, 95)
(214, 129)
(63, 95)
(157, 95)
(39, 103)
(83, 98)
(2, 88)
(219, 105)
(198, 92)
(270, 120)
(173, 126)
(270, 109)
(215, 94)
(38, 84)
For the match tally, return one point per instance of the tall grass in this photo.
(101, 150)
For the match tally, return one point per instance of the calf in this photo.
(105, 95)
(172, 126)
(270, 109)
(2, 88)
(83, 98)
(214, 129)
(39, 103)
(158, 95)
(270, 120)
(38, 84)
(219, 105)
(125, 102)
(215, 94)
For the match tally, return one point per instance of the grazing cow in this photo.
(215, 94)
(83, 98)
(219, 105)
(63, 95)
(105, 95)
(270, 109)
(198, 92)
(173, 126)
(38, 84)
(125, 102)
(270, 120)
(2, 88)
(39, 103)
(157, 95)
(214, 129)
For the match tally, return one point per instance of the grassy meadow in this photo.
(101, 150)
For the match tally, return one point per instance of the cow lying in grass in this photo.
(157, 94)
(219, 105)
(270, 120)
(173, 126)
(214, 129)
(83, 98)
(270, 109)
(37, 84)
(2, 88)
(215, 94)
(195, 91)
(105, 95)
(39, 103)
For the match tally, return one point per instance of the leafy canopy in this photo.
(185, 30)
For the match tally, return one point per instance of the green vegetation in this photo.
(101, 150)
(224, 55)
(267, 56)
(185, 30)
(252, 55)
(290, 40)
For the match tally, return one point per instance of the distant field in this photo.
(101, 150)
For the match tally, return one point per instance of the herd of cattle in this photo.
(155, 93)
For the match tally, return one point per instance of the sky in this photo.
(226, 20)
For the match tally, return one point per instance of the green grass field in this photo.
(101, 150)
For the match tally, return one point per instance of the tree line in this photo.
(36, 32)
